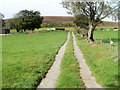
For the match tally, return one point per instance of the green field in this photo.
(69, 72)
(27, 57)
(100, 57)
(0, 62)
(106, 28)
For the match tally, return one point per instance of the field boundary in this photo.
(51, 77)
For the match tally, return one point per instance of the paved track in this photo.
(86, 75)
(51, 77)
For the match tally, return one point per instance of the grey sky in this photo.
(46, 7)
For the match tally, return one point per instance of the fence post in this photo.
(110, 44)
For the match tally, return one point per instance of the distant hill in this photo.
(69, 19)
(108, 24)
(58, 18)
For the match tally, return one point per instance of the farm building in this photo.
(4, 31)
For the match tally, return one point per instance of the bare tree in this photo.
(95, 11)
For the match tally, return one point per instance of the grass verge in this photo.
(0, 62)
(69, 72)
(27, 57)
(99, 58)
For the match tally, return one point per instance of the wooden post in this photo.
(110, 44)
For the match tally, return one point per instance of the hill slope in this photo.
(58, 18)
(70, 19)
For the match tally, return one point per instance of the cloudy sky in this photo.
(46, 7)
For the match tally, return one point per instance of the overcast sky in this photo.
(46, 7)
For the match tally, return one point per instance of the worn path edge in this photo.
(85, 73)
(51, 77)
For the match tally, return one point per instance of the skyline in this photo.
(45, 7)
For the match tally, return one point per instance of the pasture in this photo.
(0, 61)
(106, 28)
(101, 57)
(27, 57)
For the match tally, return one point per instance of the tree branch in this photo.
(109, 12)
(85, 11)
(90, 7)
(101, 10)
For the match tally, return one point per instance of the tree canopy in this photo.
(81, 21)
(28, 20)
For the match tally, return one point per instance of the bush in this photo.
(82, 32)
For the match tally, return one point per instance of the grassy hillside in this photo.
(70, 19)
(58, 18)
(108, 24)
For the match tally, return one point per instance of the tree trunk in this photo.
(90, 33)
(24, 30)
(17, 30)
